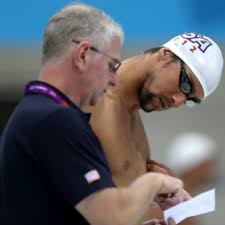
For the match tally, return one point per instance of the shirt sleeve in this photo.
(70, 156)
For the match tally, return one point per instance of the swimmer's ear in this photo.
(164, 54)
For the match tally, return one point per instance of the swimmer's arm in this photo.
(154, 166)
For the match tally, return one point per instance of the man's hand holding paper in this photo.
(198, 205)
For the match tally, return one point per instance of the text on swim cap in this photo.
(200, 42)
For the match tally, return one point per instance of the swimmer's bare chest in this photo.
(123, 138)
(134, 153)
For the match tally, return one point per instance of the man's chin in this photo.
(147, 109)
(94, 102)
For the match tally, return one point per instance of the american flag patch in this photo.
(92, 176)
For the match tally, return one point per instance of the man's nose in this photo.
(114, 80)
(179, 99)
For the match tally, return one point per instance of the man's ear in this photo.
(164, 54)
(81, 55)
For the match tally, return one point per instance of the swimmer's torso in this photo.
(123, 139)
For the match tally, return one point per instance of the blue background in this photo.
(23, 22)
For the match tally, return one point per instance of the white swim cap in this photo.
(202, 55)
(190, 149)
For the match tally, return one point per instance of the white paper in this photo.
(198, 205)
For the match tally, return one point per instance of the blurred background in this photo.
(147, 23)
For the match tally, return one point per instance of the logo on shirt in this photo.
(92, 176)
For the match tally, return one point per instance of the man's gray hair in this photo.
(79, 22)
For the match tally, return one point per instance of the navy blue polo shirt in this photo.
(50, 160)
